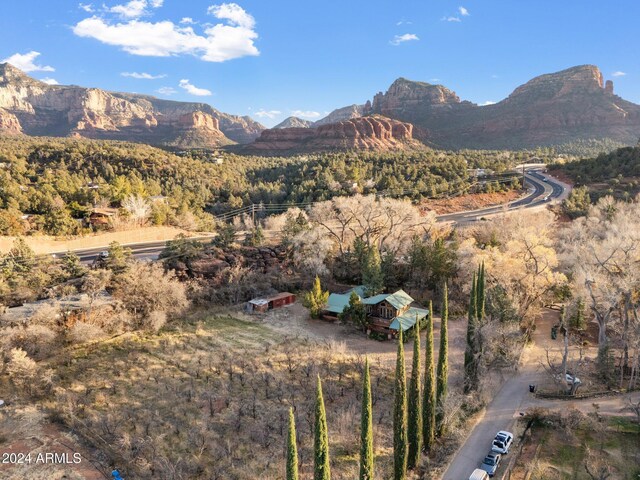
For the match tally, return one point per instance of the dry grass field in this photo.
(210, 400)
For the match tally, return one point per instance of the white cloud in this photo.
(618, 74)
(434, 80)
(463, 11)
(234, 13)
(451, 19)
(488, 102)
(187, 21)
(166, 91)
(407, 37)
(133, 9)
(220, 42)
(403, 22)
(49, 81)
(142, 76)
(193, 90)
(25, 62)
(86, 7)
(305, 113)
(267, 113)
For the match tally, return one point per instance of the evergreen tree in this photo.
(321, 469)
(578, 319)
(118, 258)
(480, 294)
(372, 276)
(443, 364)
(366, 428)
(429, 396)
(292, 449)
(71, 265)
(226, 235)
(470, 350)
(414, 422)
(315, 299)
(355, 312)
(400, 415)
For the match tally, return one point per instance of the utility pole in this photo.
(524, 178)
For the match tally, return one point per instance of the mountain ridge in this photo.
(557, 108)
(33, 107)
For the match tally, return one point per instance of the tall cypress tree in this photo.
(470, 350)
(429, 396)
(400, 415)
(366, 428)
(443, 364)
(292, 449)
(480, 294)
(414, 422)
(321, 469)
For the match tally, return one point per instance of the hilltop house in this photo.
(386, 312)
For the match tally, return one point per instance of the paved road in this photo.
(544, 189)
(514, 397)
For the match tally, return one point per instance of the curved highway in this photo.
(543, 189)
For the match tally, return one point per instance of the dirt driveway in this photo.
(294, 321)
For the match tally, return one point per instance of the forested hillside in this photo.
(49, 185)
(616, 173)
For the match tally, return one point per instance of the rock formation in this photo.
(56, 110)
(552, 109)
(294, 122)
(9, 123)
(340, 114)
(364, 133)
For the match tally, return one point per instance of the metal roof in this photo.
(398, 299)
(360, 290)
(408, 319)
(337, 302)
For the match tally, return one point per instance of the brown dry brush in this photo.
(175, 411)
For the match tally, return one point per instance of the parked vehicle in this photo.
(570, 378)
(502, 442)
(478, 474)
(490, 463)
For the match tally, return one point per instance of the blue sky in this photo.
(272, 59)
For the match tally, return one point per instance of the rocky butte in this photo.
(552, 109)
(364, 133)
(35, 108)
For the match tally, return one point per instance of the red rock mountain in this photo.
(364, 133)
(553, 109)
(35, 108)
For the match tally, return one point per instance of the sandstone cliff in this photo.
(55, 110)
(364, 133)
(551, 109)
(340, 114)
(294, 122)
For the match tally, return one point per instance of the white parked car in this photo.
(479, 474)
(570, 378)
(502, 442)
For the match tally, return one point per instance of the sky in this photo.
(273, 59)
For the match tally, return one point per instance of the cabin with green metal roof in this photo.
(387, 313)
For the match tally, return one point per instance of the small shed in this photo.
(263, 304)
(102, 216)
